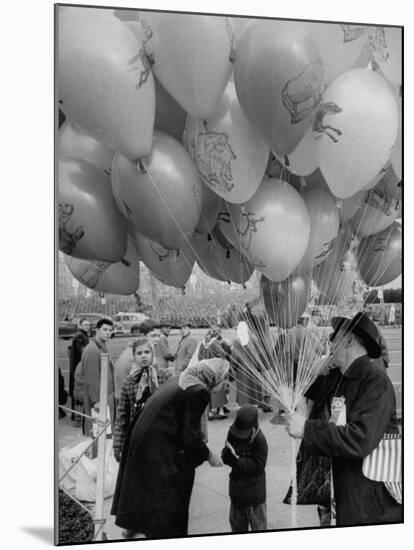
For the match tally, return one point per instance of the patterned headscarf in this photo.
(149, 378)
(207, 373)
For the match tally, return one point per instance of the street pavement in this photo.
(210, 503)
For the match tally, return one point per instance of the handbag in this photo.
(384, 464)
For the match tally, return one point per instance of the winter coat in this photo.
(162, 448)
(79, 342)
(370, 412)
(185, 350)
(247, 485)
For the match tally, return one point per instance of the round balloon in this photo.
(171, 267)
(74, 142)
(387, 48)
(161, 197)
(396, 154)
(380, 209)
(110, 278)
(105, 81)
(340, 46)
(285, 301)
(222, 261)
(355, 128)
(279, 79)
(227, 225)
(211, 204)
(334, 276)
(273, 228)
(192, 57)
(230, 154)
(90, 224)
(324, 226)
(379, 256)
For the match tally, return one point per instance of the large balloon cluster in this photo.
(236, 144)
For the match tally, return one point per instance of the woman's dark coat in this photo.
(162, 449)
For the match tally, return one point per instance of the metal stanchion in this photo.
(103, 404)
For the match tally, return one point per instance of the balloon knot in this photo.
(126, 262)
(141, 166)
(183, 290)
(287, 163)
(209, 237)
(228, 254)
(228, 282)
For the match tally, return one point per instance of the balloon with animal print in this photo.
(279, 77)
(105, 82)
(355, 128)
(230, 155)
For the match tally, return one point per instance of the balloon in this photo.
(227, 225)
(355, 128)
(171, 267)
(222, 261)
(285, 301)
(230, 155)
(324, 226)
(90, 225)
(334, 276)
(170, 117)
(279, 81)
(340, 46)
(191, 56)
(73, 141)
(210, 208)
(110, 278)
(379, 256)
(161, 197)
(302, 161)
(127, 15)
(273, 228)
(386, 46)
(349, 207)
(379, 210)
(105, 82)
(396, 154)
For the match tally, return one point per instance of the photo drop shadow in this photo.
(42, 533)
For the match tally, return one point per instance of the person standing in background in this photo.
(79, 342)
(185, 349)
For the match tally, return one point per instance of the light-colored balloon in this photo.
(380, 256)
(279, 80)
(110, 278)
(230, 155)
(386, 46)
(127, 15)
(324, 226)
(380, 209)
(73, 141)
(161, 197)
(191, 56)
(105, 82)
(285, 301)
(171, 267)
(340, 46)
(355, 128)
(273, 228)
(90, 224)
(396, 154)
(228, 226)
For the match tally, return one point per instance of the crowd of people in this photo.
(160, 403)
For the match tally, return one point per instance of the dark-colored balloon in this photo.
(379, 256)
(285, 301)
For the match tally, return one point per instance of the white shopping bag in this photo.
(87, 473)
(95, 426)
(67, 456)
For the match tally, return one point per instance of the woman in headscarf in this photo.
(161, 452)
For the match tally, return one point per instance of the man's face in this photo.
(85, 326)
(154, 336)
(104, 333)
(184, 330)
(339, 348)
(165, 330)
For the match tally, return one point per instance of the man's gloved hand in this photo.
(117, 453)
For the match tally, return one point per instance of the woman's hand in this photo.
(214, 460)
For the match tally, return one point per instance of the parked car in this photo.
(129, 321)
(67, 329)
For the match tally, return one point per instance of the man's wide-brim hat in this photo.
(362, 326)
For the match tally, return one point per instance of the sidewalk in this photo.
(209, 508)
